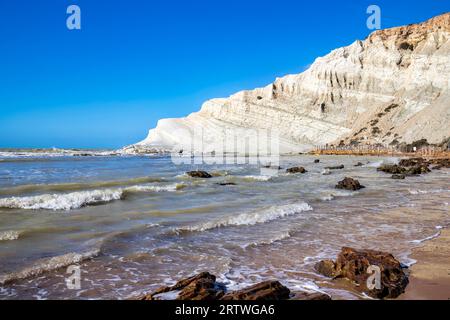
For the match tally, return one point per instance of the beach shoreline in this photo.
(430, 276)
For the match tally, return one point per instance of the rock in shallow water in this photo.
(296, 170)
(349, 184)
(398, 177)
(199, 174)
(362, 266)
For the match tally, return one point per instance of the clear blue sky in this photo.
(137, 61)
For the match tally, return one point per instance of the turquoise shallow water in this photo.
(134, 223)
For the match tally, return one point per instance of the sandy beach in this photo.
(430, 276)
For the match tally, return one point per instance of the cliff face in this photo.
(392, 87)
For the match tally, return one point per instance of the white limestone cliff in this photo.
(392, 87)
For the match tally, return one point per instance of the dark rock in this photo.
(354, 265)
(227, 184)
(296, 170)
(398, 177)
(267, 290)
(317, 161)
(304, 296)
(199, 174)
(336, 167)
(349, 184)
(202, 286)
(359, 164)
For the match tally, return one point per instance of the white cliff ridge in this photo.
(392, 87)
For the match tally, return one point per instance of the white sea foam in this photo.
(146, 188)
(328, 197)
(46, 265)
(276, 238)
(9, 235)
(251, 218)
(434, 236)
(258, 178)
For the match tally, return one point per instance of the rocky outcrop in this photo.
(349, 184)
(391, 88)
(203, 286)
(362, 266)
(414, 166)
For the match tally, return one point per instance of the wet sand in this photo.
(430, 276)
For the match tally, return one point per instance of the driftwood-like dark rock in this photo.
(349, 184)
(199, 174)
(336, 167)
(317, 161)
(362, 266)
(398, 177)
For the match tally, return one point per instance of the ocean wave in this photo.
(78, 186)
(46, 265)
(67, 201)
(79, 199)
(251, 218)
(9, 235)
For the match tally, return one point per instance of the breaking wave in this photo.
(79, 199)
(66, 201)
(9, 235)
(252, 218)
